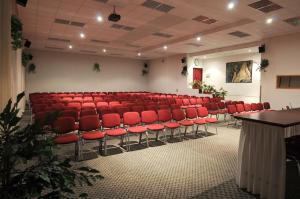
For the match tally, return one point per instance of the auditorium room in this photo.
(150, 99)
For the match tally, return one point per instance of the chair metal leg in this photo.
(180, 133)
(101, 147)
(157, 132)
(185, 130)
(140, 140)
(205, 126)
(196, 130)
(128, 142)
(76, 151)
(147, 138)
(165, 134)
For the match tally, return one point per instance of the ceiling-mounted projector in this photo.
(114, 16)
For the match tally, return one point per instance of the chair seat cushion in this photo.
(213, 112)
(66, 139)
(93, 135)
(200, 121)
(211, 120)
(222, 111)
(155, 127)
(172, 125)
(115, 132)
(137, 129)
(186, 122)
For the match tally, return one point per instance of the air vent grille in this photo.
(122, 27)
(265, 6)
(67, 22)
(54, 48)
(116, 54)
(204, 19)
(158, 34)
(102, 1)
(99, 41)
(157, 6)
(58, 39)
(133, 46)
(294, 21)
(88, 51)
(194, 45)
(239, 34)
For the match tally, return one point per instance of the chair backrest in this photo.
(175, 106)
(193, 101)
(178, 102)
(199, 100)
(149, 117)
(186, 101)
(122, 110)
(164, 107)
(164, 115)
(247, 107)
(254, 107)
(191, 113)
(138, 109)
(74, 105)
(231, 109)
(89, 123)
(260, 106)
(131, 118)
(178, 114)
(221, 105)
(213, 106)
(71, 113)
(151, 108)
(88, 112)
(240, 108)
(267, 105)
(202, 112)
(64, 125)
(99, 104)
(206, 99)
(111, 120)
(88, 105)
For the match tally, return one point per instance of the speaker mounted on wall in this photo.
(22, 2)
(27, 43)
(183, 60)
(262, 48)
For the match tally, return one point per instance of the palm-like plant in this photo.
(28, 168)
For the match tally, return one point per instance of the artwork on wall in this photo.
(239, 72)
(197, 76)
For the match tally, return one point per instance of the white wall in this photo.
(283, 54)
(214, 73)
(57, 71)
(165, 76)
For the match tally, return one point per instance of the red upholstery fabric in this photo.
(131, 118)
(66, 139)
(191, 113)
(164, 115)
(149, 117)
(186, 123)
(64, 124)
(88, 112)
(89, 123)
(247, 107)
(200, 121)
(211, 120)
(213, 112)
(172, 125)
(202, 112)
(111, 120)
(155, 127)
(93, 135)
(240, 108)
(137, 129)
(231, 109)
(178, 114)
(115, 132)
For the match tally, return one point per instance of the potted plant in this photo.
(16, 32)
(145, 70)
(31, 68)
(97, 67)
(263, 65)
(26, 58)
(184, 71)
(221, 93)
(28, 167)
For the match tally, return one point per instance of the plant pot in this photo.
(200, 91)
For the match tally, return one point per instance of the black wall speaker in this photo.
(183, 60)
(145, 65)
(262, 48)
(27, 43)
(22, 2)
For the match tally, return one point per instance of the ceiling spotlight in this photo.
(99, 18)
(165, 47)
(230, 5)
(139, 54)
(204, 57)
(269, 20)
(249, 50)
(70, 46)
(82, 35)
(104, 50)
(198, 38)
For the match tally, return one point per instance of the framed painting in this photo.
(239, 72)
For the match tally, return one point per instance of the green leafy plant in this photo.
(263, 65)
(220, 93)
(31, 68)
(26, 58)
(184, 71)
(28, 168)
(16, 32)
(97, 67)
(145, 70)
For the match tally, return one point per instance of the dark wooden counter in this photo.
(283, 118)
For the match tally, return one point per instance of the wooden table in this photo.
(261, 155)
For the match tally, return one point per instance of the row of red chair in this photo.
(133, 123)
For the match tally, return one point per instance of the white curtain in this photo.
(261, 159)
(11, 69)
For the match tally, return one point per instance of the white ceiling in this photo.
(39, 15)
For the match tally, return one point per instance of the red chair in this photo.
(232, 111)
(132, 120)
(89, 128)
(151, 108)
(247, 107)
(167, 107)
(267, 105)
(213, 109)
(193, 102)
(165, 117)
(150, 118)
(121, 110)
(222, 109)
(74, 105)
(254, 107)
(112, 121)
(65, 127)
(240, 108)
(199, 101)
(179, 116)
(191, 113)
(260, 106)
(203, 113)
(138, 109)
(88, 99)
(86, 112)
(88, 105)
(175, 106)
(71, 113)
